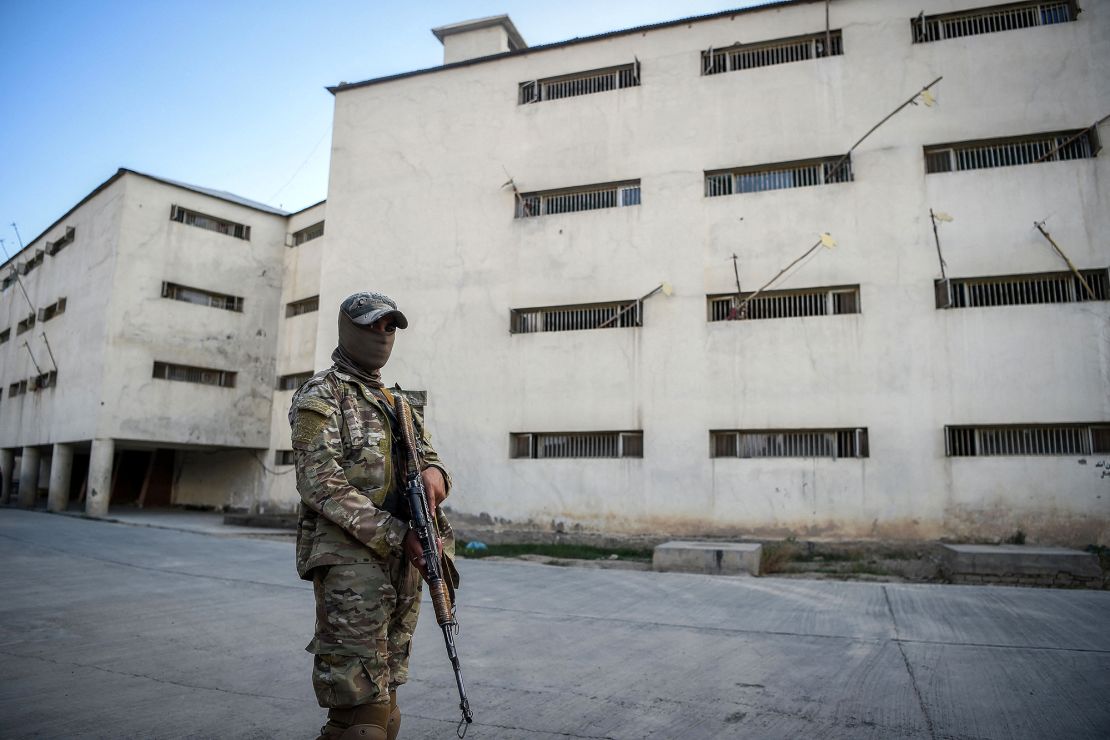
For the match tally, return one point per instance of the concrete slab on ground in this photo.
(1021, 564)
(109, 630)
(715, 558)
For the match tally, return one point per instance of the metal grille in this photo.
(1008, 152)
(767, 53)
(615, 314)
(307, 234)
(44, 381)
(202, 297)
(294, 381)
(25, 325)
(210, 223)
(587, 198)
(54, 247)
(55, 308)
(991, 20)
(34, 262)
(834, 443)
(1017, 290)
(554, 445)
(1016, 439)
(778, 176)
(305, 305)
(781, 304)
(188, 374)
(582, 83)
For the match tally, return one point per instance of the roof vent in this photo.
(478, 38)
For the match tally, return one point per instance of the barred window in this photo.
(5, 335)
(44, 381)
(1010, 17)
(305, 305)
(760, 177)
(550, 445)
(767, 53)
(211, 223)
(579, 83)
(1011, 151)
(61, 243)
(613, 314)
(55, 308)
(750, 443)
(283, 457)
(584, 198)
(34, 262)
(1027, 439)
(294, 381)
(307, 234)
(781, 304)
(25, 325)
(202, 297)
(1017, 290)
(189, 374)
(17, 388)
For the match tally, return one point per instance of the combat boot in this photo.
(394, 725)
(364, 722)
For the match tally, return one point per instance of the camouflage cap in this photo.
(367, 307)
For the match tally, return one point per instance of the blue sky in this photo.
(225, 94)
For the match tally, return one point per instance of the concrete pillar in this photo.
(61, 467)
(100, 477)
(7, 467)
(28, 477)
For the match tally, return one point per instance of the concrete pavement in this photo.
(116, 631)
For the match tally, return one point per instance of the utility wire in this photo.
(298, 170)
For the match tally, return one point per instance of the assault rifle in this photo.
(424, 524)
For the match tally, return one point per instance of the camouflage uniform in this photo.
(348, 461)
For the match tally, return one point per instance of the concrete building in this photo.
(519, 202)
(140, 337)
(588, 238)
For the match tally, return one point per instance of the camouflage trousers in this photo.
(365, 616)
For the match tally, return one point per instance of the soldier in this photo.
(353, 538)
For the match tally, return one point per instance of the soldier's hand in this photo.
(413, 552)
(434, 486)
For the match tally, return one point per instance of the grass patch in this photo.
(575, 552)
(775, 555)
(1103, 554)
(827, 556)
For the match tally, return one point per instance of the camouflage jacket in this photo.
(343, 449)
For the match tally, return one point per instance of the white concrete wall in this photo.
(84, 273)
(146, 327)
(418, 206)
(116, 324)
(219, 479)
(480, 42)
(296, 353)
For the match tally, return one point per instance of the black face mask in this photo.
(362, 351)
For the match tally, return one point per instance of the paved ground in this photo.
(110, 630)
